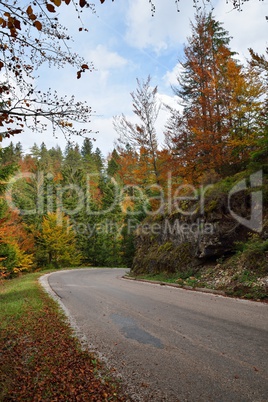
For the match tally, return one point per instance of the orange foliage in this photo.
(13, 232)
(218, 127)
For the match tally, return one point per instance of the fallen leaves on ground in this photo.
(40, 360)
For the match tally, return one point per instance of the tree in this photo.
(98, 160)
(11, 153)
(16, 245)
(15, 242)
(113, 163)
(260, 64)
(142, 136)
(221, 104)
(58, 241)
(86, 149)
(31, 36)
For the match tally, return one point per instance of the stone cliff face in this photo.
(181, 242)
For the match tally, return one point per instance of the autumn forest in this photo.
(73, 207)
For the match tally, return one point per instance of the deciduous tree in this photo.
(16, 243)
(57, 240)
(221, 104)
(142, 136)
(31, 35)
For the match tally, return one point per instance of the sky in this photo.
(125, 42)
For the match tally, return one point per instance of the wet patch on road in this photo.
(131, 330)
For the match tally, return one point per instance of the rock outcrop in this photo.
(182, 242)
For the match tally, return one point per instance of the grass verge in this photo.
(182, 279)
(40, 359)
(232, 277)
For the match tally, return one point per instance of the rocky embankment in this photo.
(221, 243)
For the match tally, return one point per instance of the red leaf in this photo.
(51, 8)
(32, 17)
(29, 10)
(82, 3)
(17, 24)
(3, 23)
(38, 25)
(85, 67)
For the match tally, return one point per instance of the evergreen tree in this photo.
(35, 151)
(91, 161)
(113, 164)
(260, 65)
(56, 156)
(87, 148)
(11, 154)
(98, 160)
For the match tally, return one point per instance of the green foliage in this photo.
(252, 255)
(113, 164)
(8, 259)
(255, 245)
(167, 257)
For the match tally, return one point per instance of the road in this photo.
(169, 344)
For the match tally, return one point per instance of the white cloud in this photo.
(171, 77)
(167, 100)
(170, 29)
(248, 27)
(167, 27)
(104, 59)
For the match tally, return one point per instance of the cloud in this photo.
(167, 100)
(104, 59)
(171, 76)
(167, 27)
(248, 27)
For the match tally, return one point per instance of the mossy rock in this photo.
(163, 258)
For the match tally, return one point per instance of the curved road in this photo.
(170, 344)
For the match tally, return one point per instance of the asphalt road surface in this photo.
(169, 344)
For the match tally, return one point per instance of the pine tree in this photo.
(98, 160)
(87, 147)
(113, 164)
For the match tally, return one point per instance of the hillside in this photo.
(222, 244)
